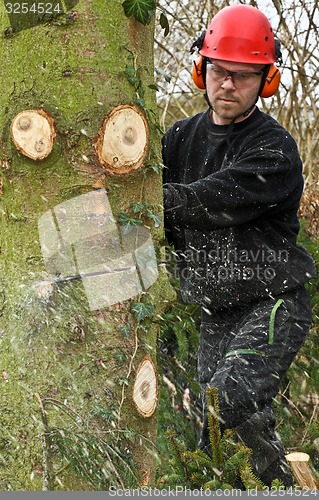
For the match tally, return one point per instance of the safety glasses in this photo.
(241, 79)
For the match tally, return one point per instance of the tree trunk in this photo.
(77, 299)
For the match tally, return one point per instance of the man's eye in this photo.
(244, 76)
(218, 71)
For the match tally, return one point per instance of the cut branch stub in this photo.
(33, 133)
(122, 141)
(300, 466)
(145, 390)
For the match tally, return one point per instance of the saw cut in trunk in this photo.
(122, 141)
(145, 390)
(33, 133)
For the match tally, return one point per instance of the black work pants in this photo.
(244, 353)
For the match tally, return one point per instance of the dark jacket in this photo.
(231, 202)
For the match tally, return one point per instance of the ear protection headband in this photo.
(271, 77)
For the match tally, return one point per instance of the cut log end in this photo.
(122, 141)
(145, 389)
(299, 464)
(33, 133)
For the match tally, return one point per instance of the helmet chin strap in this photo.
(208, 101)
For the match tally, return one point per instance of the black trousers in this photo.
(244, 353)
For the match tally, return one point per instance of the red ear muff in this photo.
(272, 82)
(197, 73)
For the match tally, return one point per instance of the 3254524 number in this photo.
(34, 8)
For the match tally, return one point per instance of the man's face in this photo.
(232, 95)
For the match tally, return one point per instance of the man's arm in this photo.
(234, 195)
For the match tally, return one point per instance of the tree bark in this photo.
(67, 416)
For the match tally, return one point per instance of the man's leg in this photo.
(215, 334)
(247, 377)
(268, 453)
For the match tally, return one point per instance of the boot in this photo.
(268, 453)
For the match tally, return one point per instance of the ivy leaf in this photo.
(126, 330)
(131, 71)
(153, 87)
(137, 207)
(156, 218)
(128, 222)
(164, 24)
(160, 71)
(106, 415)
(123, 381)
(133, 80)
(140, 102)
(141, 310)
(131, 75)
(142, 10)
(120, 357)
(157, 167)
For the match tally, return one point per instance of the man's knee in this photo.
(237, 398)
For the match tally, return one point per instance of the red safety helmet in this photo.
(240, 33)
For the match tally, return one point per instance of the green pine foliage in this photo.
(216, 442)
(179, 475)
(224, 468)
(227, 467)
(213, 485)
(250, 481)
(179, 330)
(234, 463)
(277, 485)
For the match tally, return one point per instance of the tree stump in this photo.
(299, 464)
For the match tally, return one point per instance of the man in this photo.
(232, 189)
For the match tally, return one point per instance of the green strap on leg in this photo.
(271, 333)
(272, 321)
(238, 352)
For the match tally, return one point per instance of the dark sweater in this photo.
(231, 202)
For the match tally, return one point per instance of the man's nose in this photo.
(228, 83)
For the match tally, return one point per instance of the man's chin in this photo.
(224, 117)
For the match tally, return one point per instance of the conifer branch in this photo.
(213, 426)
(178, 449)
(249, 479)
